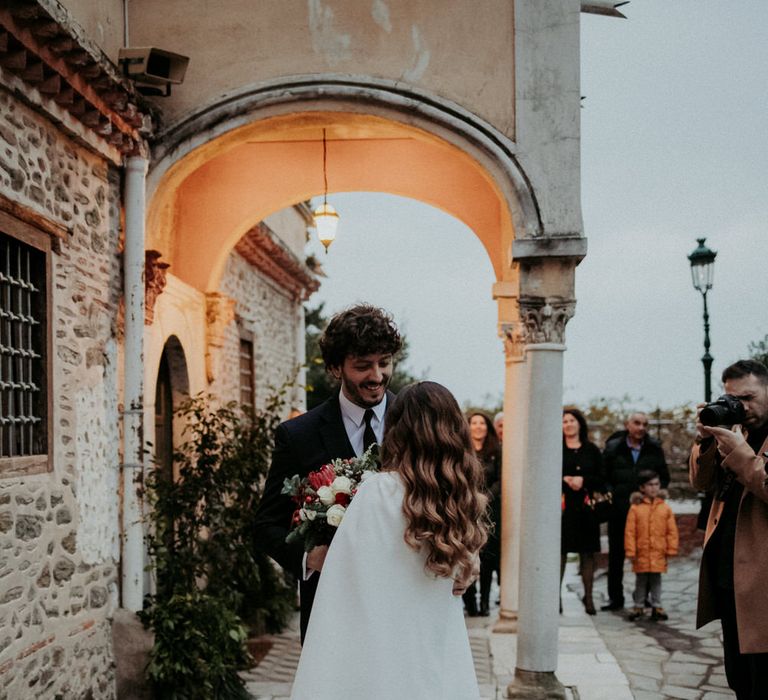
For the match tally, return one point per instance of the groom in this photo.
(358, 347)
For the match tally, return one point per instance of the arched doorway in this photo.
(171, 388)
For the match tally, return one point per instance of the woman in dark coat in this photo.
(488, 450)
(582, 474)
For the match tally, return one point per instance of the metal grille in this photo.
(22, 333)
(246, 373)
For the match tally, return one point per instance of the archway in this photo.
(232, 164)
(228, 167)
(171, 388)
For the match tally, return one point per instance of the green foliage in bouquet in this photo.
(322, 497)
(210, 580)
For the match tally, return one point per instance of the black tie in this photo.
(369, 437)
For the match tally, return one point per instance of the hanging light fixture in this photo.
(326, 218)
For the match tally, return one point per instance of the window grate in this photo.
(23, 429)
(247, 393)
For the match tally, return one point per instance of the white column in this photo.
(133, 394)
(513, 460)
(540, 523)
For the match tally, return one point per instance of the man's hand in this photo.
(700, 427)
(575, 482)
(727, 439)
(316, 557)
(460, 586)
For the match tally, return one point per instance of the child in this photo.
(649, 538)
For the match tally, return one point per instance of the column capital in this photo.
(515, 339)
(155, 279)
(544, 318)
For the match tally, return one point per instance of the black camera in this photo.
(727, 410)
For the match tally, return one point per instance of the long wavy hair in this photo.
(427, 442)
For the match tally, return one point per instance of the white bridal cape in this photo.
(382, 628)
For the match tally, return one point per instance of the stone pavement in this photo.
(604, 657)
(667, 659)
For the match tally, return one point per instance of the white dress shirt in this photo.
(353, 417)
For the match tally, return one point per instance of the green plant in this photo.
(199, 645)
(210, 580)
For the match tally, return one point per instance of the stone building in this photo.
(153, 230)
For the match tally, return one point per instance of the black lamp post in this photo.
(702, 272)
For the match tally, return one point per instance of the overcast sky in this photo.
(674, 147)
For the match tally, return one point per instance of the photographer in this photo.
(732, 437)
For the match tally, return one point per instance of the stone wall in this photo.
(266, 311)
(59, 538)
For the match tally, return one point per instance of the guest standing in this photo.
(626, 454)
(487, 449)
(582, 474)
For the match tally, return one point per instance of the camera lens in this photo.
(712, 414)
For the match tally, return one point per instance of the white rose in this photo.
(335, 515)
(303, 514)
(341, 484)
(326, 495)
(309, 514)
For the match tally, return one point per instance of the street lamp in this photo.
(702, 272)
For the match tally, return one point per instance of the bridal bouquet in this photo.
(322, 497)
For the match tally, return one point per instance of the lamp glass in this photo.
(702, 266)
(326, 222)
(703, 274)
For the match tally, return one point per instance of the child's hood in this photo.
(638, 497)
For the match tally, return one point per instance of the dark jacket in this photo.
(302, 445)
(621, 471)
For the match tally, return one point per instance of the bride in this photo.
(385, 624)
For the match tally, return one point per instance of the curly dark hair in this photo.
(359, 330)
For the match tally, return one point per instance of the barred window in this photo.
(246, 373)
(24, 373)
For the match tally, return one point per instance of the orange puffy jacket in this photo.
(651, 534)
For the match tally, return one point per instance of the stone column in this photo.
(513, 460)
(543, 321)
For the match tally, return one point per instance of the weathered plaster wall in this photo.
(102, 22)
(59, 531)
(459, 50)
(548, 108)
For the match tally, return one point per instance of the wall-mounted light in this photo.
(325, 216)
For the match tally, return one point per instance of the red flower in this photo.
(322, 477)
(343, 499)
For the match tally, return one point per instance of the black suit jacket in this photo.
(302, 445)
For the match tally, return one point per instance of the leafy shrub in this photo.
(210, 580)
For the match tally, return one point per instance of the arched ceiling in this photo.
(209, 198)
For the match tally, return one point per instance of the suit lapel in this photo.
(332, 431)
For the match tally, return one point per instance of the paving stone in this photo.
(672, 667)
(673, 691)
(692, 680)
(638, 682)
(643, 668)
